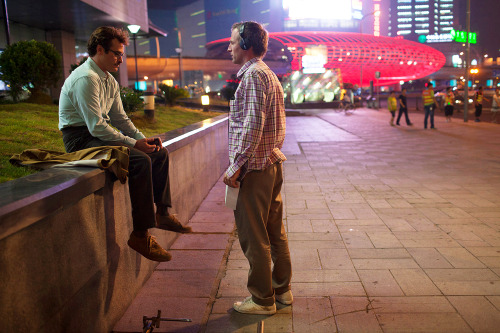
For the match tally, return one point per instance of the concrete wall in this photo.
(64, 261)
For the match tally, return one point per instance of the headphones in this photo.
(244, 43)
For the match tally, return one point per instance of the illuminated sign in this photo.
(141, 85)
(461, 36)
(376, 18)
(436, 38)
(318, 9)
(313, 64)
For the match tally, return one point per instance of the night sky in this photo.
(485, 16)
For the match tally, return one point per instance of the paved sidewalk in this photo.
(391, 229)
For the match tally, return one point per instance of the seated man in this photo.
(89, 102)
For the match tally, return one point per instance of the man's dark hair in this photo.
(104, 36)
(255, 35)
(430, 85)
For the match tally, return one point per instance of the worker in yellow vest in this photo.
(449, 101)
(392, 105)
(429, 104)
(478, 103)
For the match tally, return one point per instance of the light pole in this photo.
(134, 29)
(467, 63)
(375, 12)
(6, 21)
(179, 50)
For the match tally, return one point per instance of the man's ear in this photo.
(100, 49)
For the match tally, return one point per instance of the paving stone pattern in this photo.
(391, 229)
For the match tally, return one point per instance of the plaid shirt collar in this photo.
(246, 66)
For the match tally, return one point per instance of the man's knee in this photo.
(160, 157)
(139, 161)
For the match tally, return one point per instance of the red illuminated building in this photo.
(396, 59)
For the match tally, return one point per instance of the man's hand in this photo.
(232, 182)
(148, 145)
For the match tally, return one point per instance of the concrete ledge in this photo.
(65, 263)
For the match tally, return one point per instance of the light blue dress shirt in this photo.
(91, 98)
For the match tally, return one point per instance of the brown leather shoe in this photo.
(148, 248)
(171, 223)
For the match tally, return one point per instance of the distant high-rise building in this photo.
(422, 20)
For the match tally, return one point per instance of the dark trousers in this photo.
(429, 112)
(148, 175)
(448, 110)
(405, 111)
(479, 110)
(262, 236)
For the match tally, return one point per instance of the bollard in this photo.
(205, 101)
(149, 104)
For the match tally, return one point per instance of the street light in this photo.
(375, 12)
(467, 63)
(179, 50)
(134, 29)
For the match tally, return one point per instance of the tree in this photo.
(31, 65)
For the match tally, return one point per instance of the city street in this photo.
(391, 229)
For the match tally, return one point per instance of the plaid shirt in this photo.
(256, 120)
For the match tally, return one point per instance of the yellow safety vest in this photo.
(428, 96)
(479, 98)
(448, 99)
(393, 104)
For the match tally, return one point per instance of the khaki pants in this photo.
(259, 219)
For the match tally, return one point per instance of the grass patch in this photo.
(28, 126)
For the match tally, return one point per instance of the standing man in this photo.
(89, 102)
(449, 100)
(403, 108)
(256, 134)
(478, 103)
(429, 104)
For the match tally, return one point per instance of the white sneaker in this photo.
(248, 306)
(285, 298)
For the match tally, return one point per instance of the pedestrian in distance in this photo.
(392, 105)
(256, 135)
(495, 105)
(478, 103)
(429, 105)
(89, 103)
(449, 101)
(403, 108)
